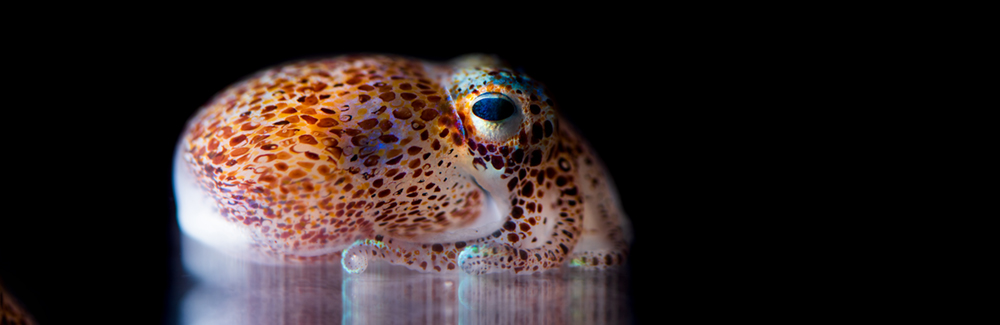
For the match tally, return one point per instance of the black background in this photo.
(100, 239)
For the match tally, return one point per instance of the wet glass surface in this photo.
(222, 290)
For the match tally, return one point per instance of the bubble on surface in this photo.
(353, 259)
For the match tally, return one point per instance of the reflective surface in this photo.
(228, 291)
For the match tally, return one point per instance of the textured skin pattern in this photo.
(381, 155)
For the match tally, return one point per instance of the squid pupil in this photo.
(493, 109)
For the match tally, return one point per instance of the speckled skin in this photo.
(357, 157)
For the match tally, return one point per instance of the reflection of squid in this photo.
(230, 291)
(390, 296)
(506, 299)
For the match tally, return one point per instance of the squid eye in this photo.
(493, 107)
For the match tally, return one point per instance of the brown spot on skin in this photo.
(510, 226)
(528, 189)
(418, 104)
(497, 162)
(248, 126)
(308, 119)
(354, 81)
(536, 133)
(368, 124)
(386, 97)
(364, 98)
(413, 150)
(394, 161)
(388, 138)
(437, 248)
(536, 158)
(479, 161)
(402, 114)
(535, 109)
(517, 212)
(366, 87)
(308, 139)
(237, 140)
(512, 184)
(428, 114)
(518, 156)
(371, 161)
(385, 125)
(548, 128)
(326, 122)
(512, 237)
(407, 96)
(359, 141)
(239, 152)
(525, 227)
(297, 173)
(460, 244)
